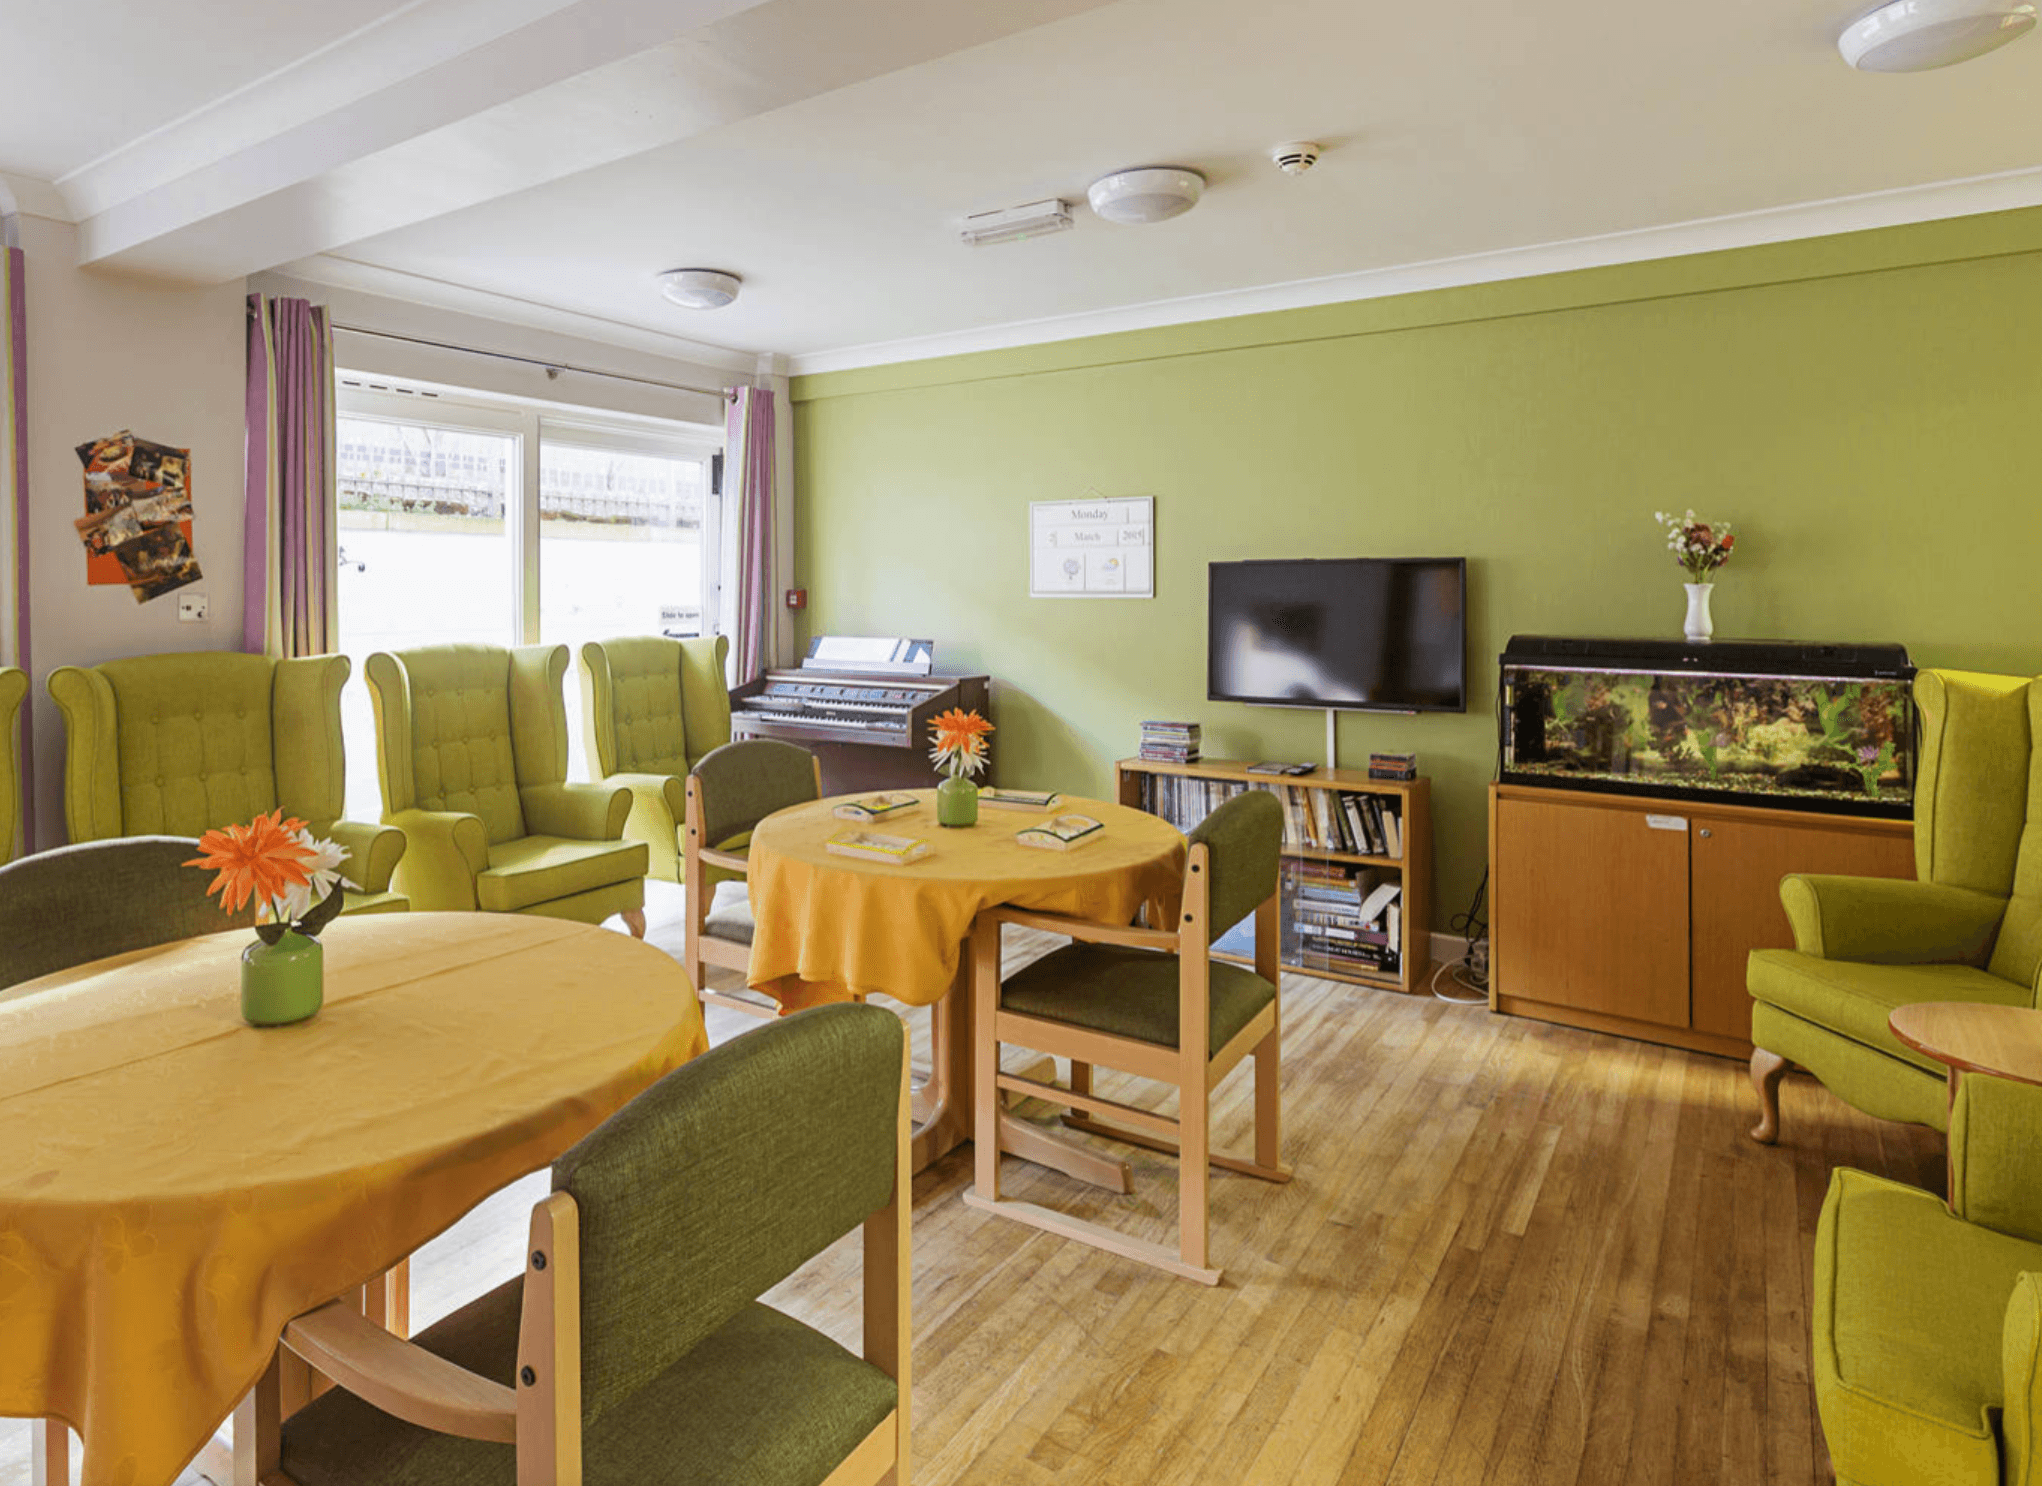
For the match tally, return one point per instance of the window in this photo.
(463, 519)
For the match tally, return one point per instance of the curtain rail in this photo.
(552, 367)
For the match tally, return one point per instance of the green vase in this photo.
(283, 982)
(956, 802)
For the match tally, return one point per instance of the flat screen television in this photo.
(1383, 634)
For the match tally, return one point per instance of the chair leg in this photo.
(985, 993)
(1194, 1175)
(1269, 1099)
(1766, 1071)
(634, 920)
(49, 1453)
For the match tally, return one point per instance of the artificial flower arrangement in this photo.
(1698, 546)
(295, 882)
(960, 751)
(960, 742)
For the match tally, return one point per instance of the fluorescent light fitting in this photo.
(700, 288)
(1011, 225)
(1917, 35)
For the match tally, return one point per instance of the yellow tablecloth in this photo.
(828, 926)
(175, 1185)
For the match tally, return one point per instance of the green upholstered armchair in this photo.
(180, 745)
(653, 707)
(13, 687)
(1928, 1319)
(1153, 1003)
(471, 746)
(634, 1351)
(1969, 928)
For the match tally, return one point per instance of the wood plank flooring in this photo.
(1513, 1253)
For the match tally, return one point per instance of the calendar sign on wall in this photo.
(1092, 549)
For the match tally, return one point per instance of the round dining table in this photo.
(176, 1184)
(827, 927)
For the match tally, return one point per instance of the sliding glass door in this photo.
(498, 525)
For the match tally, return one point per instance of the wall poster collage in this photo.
(137, 523)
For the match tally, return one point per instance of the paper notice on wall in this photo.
(1092, 548)
(137, 524)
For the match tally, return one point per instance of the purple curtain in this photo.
(14, 612)
(288, 559)
(748, 475)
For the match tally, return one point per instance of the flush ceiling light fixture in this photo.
(1916, 35)
(1015, 223)
(700, 288)
(1148, 193)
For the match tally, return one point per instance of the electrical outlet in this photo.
(191, 608)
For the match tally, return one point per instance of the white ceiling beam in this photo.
(578, 84)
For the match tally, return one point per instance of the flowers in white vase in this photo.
(1699, 546)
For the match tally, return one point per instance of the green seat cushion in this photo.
(730, 913)
(1854, 1000)
(1909, 1307)
(1131, 993)
(761, 1401)
(537, 869)
(376, 903)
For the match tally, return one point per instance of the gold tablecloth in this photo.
(175, 1185)
(828, 926)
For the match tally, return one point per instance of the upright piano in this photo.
(863, 707)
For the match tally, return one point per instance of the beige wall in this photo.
(107, 353)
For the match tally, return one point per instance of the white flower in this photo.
(322, 874)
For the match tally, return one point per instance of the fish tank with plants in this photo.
(1782, 724)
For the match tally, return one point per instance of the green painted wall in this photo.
(1864, 408)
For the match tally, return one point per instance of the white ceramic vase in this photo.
(1700, 626)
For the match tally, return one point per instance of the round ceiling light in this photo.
(1153, 193)
(1916, 35)
(700, 288)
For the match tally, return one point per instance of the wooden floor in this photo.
(1512, 1253)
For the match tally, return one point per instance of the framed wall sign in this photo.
(1092, 549)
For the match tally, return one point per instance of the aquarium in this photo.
(1792, 726)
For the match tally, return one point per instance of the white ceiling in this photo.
(827, 151)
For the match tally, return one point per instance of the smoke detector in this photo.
(1296, 157)
(1916, 35)
(1147, 193)
(700, 288)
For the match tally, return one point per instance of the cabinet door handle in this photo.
(1707, 833)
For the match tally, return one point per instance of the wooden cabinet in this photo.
(1635, 916)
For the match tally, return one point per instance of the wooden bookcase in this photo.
(1413, 869)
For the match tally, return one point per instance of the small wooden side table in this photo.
(1974, 1037)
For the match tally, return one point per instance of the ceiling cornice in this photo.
(2008, 191)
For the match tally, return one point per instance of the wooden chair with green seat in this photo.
(74, 904)
(471, 744)
(652, 708)
(729, 792)
(1969, 928)
(633, 1351)
(184, 744)
(1149, 1002)
(1928, 1318)
(13, 687)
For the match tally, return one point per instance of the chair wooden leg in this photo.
(1194, 1175)
(1766, 1071)
(258, 1420)
(985, 1094)
(49, 1453)
(634, 920)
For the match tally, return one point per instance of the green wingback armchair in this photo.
(178, 745)
(471, 746)
(1969, 928)
(653, 707)
(1928, 1319)
(13, 687)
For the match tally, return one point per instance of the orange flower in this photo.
(960, 740)
(261, 860)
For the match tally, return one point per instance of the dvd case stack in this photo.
(1399, 766)
(1170, 742)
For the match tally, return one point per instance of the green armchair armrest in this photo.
(2021, 1383)
(1995, 1135)
(444, 852)
(581, 812)
(1890, 920)
(372, 853)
